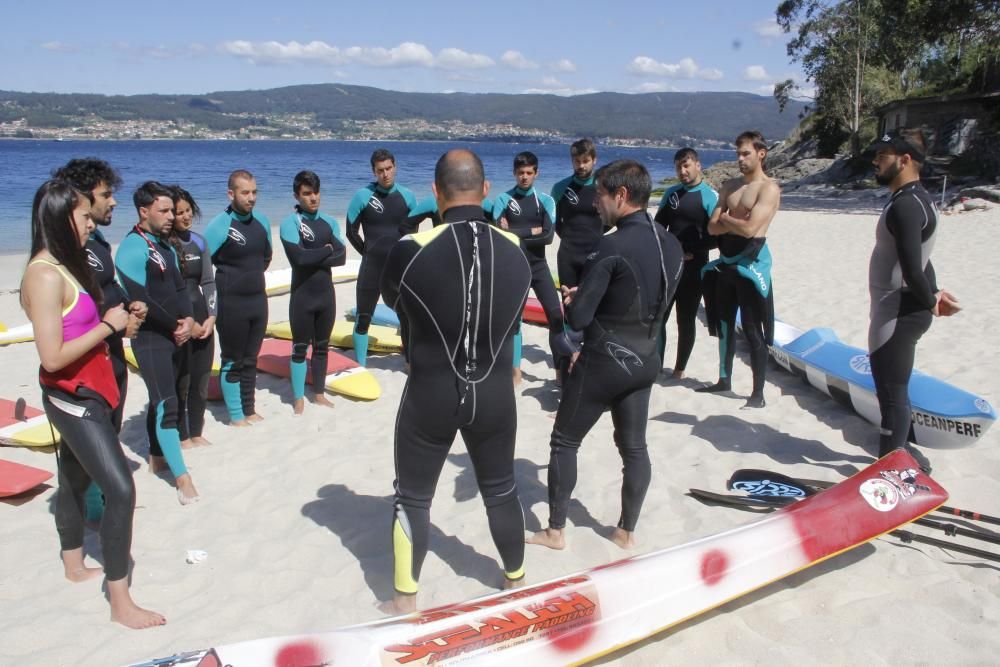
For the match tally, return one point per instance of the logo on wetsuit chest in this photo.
(191, 257)
(376, 204)
(93, 261)
(237, 236)
(674, 201)
(514, 207)
(623, 355)
(157, 259)
(572, 197)
(307, 233)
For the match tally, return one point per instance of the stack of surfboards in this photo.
(380, 338)
(279, 281)
(24, 426)
(583, 616)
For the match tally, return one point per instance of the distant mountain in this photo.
(336, 110)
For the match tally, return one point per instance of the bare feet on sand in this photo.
(124, 610)
(187, 444)
(399, 605)
(240, 423)
(511, 584)
(75, 569)
(199, 441)
(254, 418)
(186, 493)
(517, 377)
(552, 538)
(298, 406)
(678, 375)
(157, 464)
(623, 538)
(321, 399)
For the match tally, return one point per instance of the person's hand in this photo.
(568, 293)
(139, 309)
(133, 326)
(946, 304)
(503, 222)
(182, 333)
(116, 317)
(535, 231)
(688, 256)
(195, 331)
(207, 327)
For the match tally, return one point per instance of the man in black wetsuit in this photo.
(901, 280)
(620, 305)
(684, 211)
(460, 287)
(741, 278)
(577, 223)
(375, 217)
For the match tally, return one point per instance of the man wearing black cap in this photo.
(901, 281)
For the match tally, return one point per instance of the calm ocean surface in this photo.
(203, 167)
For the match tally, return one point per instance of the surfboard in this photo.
(383, 316)
(17, 478)
(381, 339)
(22, 333)
(534, 313)
(944, 416)
(279, 281)
(29, 428)
(583, 616)
(344, 375)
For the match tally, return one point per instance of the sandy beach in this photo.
(295, 512)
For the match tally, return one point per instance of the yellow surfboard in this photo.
(31, 429)
(22, 333)
(380, 339)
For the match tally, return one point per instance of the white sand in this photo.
(295, 513)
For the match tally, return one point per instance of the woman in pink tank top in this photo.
(79, 391)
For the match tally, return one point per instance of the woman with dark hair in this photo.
(196, 364)
(61, 297)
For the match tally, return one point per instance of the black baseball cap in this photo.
(899, 144)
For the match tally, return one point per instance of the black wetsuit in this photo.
(313, 245)
(461, 287)
(100, 259)
(620, 305)
(577, 224)
(685, 213)
(379, 215)
(198, 354)
(903, 291)
(525, 210)
(240, 246)
(149, 271)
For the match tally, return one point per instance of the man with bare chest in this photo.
(741, 278)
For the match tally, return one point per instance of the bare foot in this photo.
(187, 444)
(74, 568)
(624, 538)
(124, 610)
(510, 584)
(240, 423)
(157, 464)
(552, 538)
(186, 493)
(201, 442)
(298, 406)
(400, 604)
(254, 418)
(678, 375)
(517, 377)
(321, 399)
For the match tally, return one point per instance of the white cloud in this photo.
(767, 29)
(563, 65)
(655, 87)
(767, 89)
(58, 47)
(517, 60)
(755, 73)
(407, 54)
(685, 68)
(553, 86)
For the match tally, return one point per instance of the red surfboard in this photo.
(17, 478)
(533, 312)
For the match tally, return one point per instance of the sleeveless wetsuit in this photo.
(313, 245)
(525, 210)
(197, 354)
(903, 291)
(100, 259)
(149, 271)
(240, 247)
(685, 213)
(79, 400)
(461, 287)
(740, 280)
(577, 224)
(620, 305)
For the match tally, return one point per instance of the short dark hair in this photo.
(915, 137)
(459, 171)
(628, 174)
(381, 155)
(236, 175)
(149, 192)
(685, 153)
(52, 229)
(754, 137)
(87, 173)
(177, 193)
(305, 177)
(583, 147)
(525, 159)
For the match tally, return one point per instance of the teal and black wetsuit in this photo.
(620, 305)
(99, 258)
(461, 287)
(577, 224)
(240, 247)
(525, 210)
(149, 271)
(903, 290)
(427, 208)
(685, 213)
(196, 362)
(313, 245)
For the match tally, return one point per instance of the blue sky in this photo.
(546, 46)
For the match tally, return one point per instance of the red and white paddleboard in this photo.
(533, 312)
(587, 615)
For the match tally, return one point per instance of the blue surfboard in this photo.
(383, 315)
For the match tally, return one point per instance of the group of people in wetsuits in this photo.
(459, 290)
